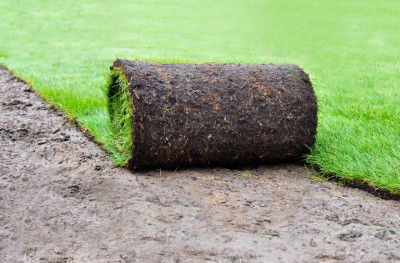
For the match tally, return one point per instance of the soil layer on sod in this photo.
(179, 115)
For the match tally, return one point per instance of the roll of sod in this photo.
(177, 115)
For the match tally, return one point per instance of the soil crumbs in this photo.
(61, 200)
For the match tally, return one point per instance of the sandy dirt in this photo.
(61, 200)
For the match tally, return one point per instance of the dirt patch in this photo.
(62, 201)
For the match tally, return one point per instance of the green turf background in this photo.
(351, 49)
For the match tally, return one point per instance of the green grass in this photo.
(350, 48)
(119, 141)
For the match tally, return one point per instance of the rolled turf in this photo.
(179, 115)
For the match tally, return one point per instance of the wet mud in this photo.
(61, 200)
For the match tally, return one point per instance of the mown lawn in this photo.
(351, 49)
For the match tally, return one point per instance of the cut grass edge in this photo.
(318, 174)
(115, 139)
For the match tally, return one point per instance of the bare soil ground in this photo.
(61, 200)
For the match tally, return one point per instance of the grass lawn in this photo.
(351, 49)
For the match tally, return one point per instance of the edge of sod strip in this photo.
(120, 110)
(384, 193)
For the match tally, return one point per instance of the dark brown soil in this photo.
(62, 201)
(226, 115)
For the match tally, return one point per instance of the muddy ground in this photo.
(61, 200)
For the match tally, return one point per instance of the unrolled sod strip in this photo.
(179, 115)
